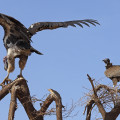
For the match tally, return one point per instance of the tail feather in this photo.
(36, 51)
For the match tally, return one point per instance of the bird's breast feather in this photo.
(113, 71)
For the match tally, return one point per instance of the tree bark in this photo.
(20, 90)
(89, 109)
(13, 103)
(115, 111)
(96, 99)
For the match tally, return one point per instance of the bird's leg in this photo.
(22, 62)
(6, 80)
(21, 72)
(20, 75)
(114, 82)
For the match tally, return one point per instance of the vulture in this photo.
(17, 39)
(112, 71)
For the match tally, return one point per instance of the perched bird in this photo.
(17, 39)
(112, 71)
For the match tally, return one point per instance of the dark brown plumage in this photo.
(112, 71)
(17, 38)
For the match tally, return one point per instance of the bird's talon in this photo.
(20, 76)
(7, 81)
(2, 84)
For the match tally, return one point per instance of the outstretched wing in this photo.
(53, 25)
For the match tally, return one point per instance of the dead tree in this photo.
(101, 97)
(19, 90)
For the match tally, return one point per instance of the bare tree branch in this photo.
(46, 104)
(13, 102)
(96, 99)
(89, 109)
(23, 95)
(7, 88)
(114, 112)
(19, 89)
(58, 102)
(103, 96)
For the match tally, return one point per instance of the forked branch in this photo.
(103, 94)
(19, 89)
(96, 99)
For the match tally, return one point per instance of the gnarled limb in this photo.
(114, 112)
(89, 108)
(19, 89)
(96, 99)
(57, 98)
(13, 102)
(46, 104)
(5, 90)
(107, 95)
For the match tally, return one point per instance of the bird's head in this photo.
(5, 63)
(107, 62)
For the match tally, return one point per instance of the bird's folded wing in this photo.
(53, 25)
(113, 71)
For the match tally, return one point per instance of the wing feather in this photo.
(36, 27)
(15, 25)
(113, 71)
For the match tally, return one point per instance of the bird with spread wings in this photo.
(17, 39)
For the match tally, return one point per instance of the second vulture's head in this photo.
(107, 62)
